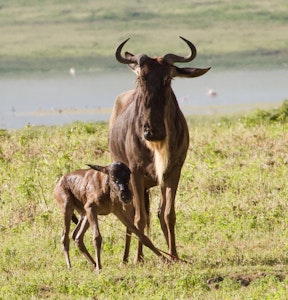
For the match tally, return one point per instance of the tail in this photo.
(74, 219)
(147, 208)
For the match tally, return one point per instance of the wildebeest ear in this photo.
(189, 72)
(128, 55)
(99, 168)
(133, 67)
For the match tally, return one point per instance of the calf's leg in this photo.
(143, 239)
(67, 215)
(78, 236)
(91, 212)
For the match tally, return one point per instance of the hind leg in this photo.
(77, 228)
(78, 237)
(67, 215)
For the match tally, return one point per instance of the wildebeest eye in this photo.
(116, 180)
(167, 80)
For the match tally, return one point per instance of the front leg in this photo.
(166, 213)
(140, 219)
(91, 212)
(128, 222)
(128, 211)
(127, 245)
(78, 237)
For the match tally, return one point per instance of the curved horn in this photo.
(120, 58)
(172, 58)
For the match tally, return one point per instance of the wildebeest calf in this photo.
(97, 191)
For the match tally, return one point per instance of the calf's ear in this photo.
(99, 168)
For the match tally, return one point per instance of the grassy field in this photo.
(231, 208)
(232, 200)
(54, 35)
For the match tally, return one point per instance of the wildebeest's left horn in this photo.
(120, 58)
(173, 58)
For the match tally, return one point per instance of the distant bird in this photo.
(212, 93)
(72, 71)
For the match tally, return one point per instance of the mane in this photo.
(161, 156)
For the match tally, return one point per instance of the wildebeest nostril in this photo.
(126, 196)
(148, 135)
(146, 128)
(154, 134)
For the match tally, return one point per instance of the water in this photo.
(60, 99)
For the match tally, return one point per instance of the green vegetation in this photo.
(39, 35)
(231, 216)
(232, 199)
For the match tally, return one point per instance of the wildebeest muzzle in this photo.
(125, 193)
(155, 134)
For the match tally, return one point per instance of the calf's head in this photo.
(154, 77)
(119, 177)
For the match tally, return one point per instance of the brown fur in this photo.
(92, 192)
(149, 133)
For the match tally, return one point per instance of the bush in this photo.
(279, 114)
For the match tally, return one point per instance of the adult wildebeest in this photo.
(149, 133)
(97, 191)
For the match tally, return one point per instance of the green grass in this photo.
(231, 215)
(55, 35)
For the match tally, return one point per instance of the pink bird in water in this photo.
(212, 93)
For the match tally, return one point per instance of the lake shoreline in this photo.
(55, 99)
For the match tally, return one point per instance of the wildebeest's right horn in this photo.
(173, 58)
(122, 59)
